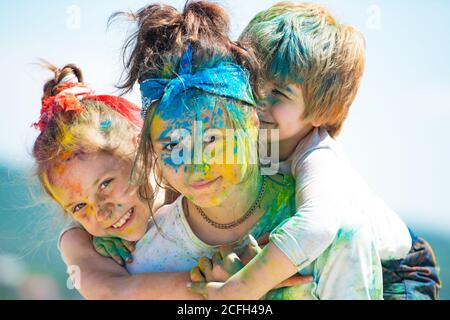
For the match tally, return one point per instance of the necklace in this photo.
(235, 223)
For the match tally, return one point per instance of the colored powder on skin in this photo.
(52, 190)
(198, 136)
(179, 116)
(90, 211)
(73, 187)
(278, 204)
(197, 106)
(59, 169)
(66, 156)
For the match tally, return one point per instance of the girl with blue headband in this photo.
(191, 76)
(199, 135)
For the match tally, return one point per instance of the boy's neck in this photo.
(288, 146)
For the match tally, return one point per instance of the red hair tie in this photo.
(121, 105)
(67, 99)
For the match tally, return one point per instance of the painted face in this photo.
(283, 108)
(94, 190)
(199, 152)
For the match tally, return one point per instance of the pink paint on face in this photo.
(94, 189)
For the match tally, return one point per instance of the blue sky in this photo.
(399, 126)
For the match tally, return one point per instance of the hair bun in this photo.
(70, 73)
(205, 19)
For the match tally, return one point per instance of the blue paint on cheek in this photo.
(175, 161)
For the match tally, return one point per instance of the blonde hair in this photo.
(303, 44)
(68, 133)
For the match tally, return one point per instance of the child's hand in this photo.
(209, 276)
(224, 263)
(222, 266)
(118, 249)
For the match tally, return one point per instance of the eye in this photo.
(279, 93)
(170, 146)
(105, 184)
(210, 139)
(78, 207)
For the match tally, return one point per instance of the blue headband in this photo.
(227, 79)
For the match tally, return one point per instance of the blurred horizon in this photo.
(396, 135)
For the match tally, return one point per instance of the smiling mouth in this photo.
(204, 183)
(123, 221)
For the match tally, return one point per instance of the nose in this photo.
(104, 211)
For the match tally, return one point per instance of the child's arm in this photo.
(209, 275)
(266, 271)
(299, 240)
(102, 278)
(321, 198)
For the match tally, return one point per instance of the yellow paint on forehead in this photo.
(157, 123)
(59, 168)
(53, 191)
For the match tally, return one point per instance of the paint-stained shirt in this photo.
(349, 268)
(330, 196)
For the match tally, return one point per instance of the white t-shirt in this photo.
(169, 245)
(330, 193)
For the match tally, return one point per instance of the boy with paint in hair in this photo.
(312, 70)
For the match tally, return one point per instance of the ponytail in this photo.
(163, 34)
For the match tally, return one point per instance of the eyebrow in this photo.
(96, 181)
(69, 205)
(164, 139)
(94, 184)
(102, 176)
